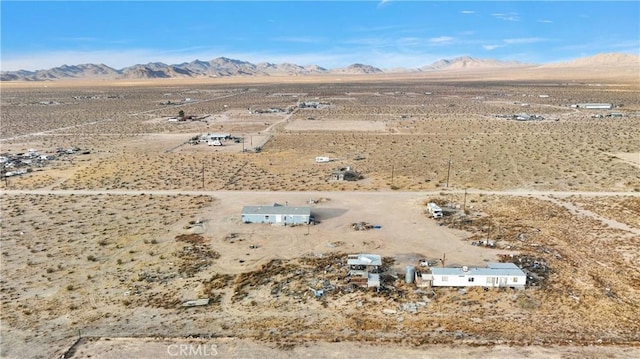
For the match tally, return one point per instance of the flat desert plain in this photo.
(122, 216)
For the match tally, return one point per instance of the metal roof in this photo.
(276, 209)
(364, 259)
(492, 269)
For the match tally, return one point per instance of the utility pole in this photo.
(448, 171)
(243, 143)
(392, 167)
(202, 174)
(464, 204)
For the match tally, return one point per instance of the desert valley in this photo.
(125, 210)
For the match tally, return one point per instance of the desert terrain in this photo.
(121, 218)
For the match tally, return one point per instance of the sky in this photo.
(386, 34)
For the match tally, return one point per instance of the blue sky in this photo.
(386, 34)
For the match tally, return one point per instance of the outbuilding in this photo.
(364, 269)
(276, 214)
(594, 106)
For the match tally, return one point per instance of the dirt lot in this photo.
(108, 241)
(238, 348)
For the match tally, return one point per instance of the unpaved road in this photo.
(223, 194)
(249, 197)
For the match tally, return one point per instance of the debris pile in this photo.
(536, 268)
(195, 256)
(363, 226)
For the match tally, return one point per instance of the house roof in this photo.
(364, 259)
(492, 269)
(218, 135)
(276, 209)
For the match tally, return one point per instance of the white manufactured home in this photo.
(494, 275)
(276, 214)
(594, 106)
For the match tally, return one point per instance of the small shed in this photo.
(364, 269)
(494, 275)
(276, 214)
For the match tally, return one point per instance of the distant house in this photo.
(593, 106)
(216, 136)
(345, 174)
(364, 269)
(494, 275)
(276, 214)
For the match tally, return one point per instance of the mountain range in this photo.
(222, 67)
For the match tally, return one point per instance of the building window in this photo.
(471, 279)
(515, 279)
(489, 280)
(266, 218)
(445, 278)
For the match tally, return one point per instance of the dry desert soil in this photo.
(101, 245)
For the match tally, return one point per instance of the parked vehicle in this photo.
(434, 210)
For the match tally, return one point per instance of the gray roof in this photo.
(364, 259)
(277, 209)
(492, 269)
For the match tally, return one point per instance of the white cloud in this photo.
(467, 12)
(383, 3)
(491, 47)
(546, 21)
(512, 16)
(441, 40)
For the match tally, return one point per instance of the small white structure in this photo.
(434, 210)
(322, 159)
(494, 275)
(594, 106)
(214, 143)
(364, 269)
(216, 136)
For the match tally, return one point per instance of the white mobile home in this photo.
(594, 106)
(494, 275)
(277, 214)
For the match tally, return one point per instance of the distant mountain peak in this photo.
(358, 68)
(467, 62)
(224, 66)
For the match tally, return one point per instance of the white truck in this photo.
(434, 210)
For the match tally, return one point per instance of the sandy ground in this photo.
(328, 125)
(238, 348)
(95, 242)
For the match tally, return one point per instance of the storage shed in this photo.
(364, 269)
(494, 275)
(276, 213)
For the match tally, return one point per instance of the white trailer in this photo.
(494, 275)
(434, 210)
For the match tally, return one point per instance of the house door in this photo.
(503, 282)
(278, 218)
